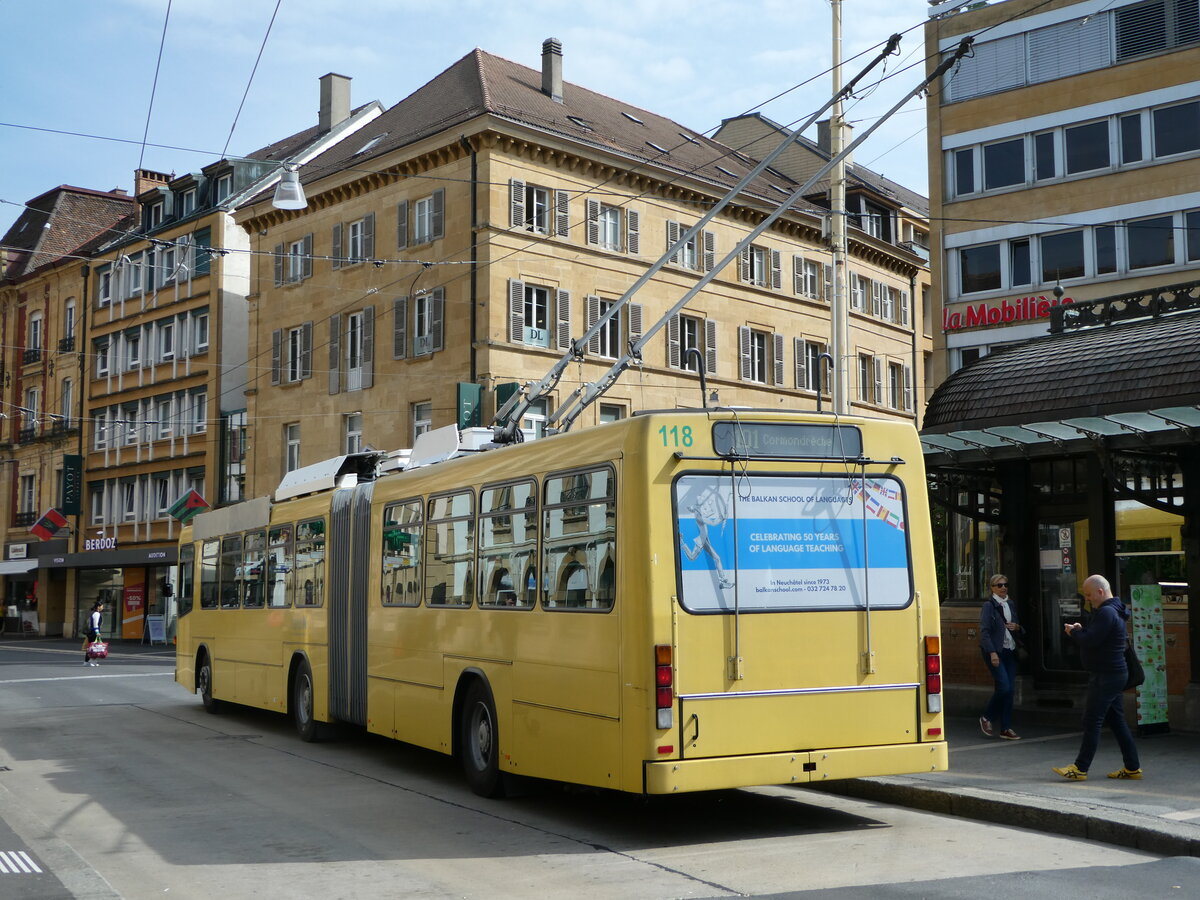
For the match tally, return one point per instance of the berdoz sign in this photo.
(1008, 312)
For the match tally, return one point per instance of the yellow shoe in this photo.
(1072, 773)
(1126, 773)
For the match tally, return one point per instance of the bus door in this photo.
(349, 565)
(796, 625)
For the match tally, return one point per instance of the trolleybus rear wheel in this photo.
(204, 683)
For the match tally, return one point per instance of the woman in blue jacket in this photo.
(1102, 648)
(998, 630)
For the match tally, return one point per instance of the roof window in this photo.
(632, 118)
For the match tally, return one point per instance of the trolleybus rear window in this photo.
(790, 440)
(760, 543)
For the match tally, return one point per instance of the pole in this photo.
(838, 307)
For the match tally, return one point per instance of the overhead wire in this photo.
(154, 86)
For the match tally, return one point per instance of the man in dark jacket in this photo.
(1102, 648)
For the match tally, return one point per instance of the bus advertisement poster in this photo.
(791, 542)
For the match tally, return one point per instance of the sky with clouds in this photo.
(79, 75)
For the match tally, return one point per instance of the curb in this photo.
(1082, 820)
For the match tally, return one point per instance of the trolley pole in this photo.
(838, 306)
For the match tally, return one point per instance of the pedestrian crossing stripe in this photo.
(17, 862)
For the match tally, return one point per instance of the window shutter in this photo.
(306, 350)
(673, 233)
(278, 265)
(439, 214)
(908, 388)
(798, 275)
(337, 246)
(368, 241)
(516, 311)
(368, 347)
(306, 267)
(635, 322)
(744, 351)
(562, 217)
(778, 360)
(1142, 29)
(710, 346)
(593, 316)
(400, 328)
(993, 66)
(516, 203)
(744, 265)
(827, 285)
(633, 237)
(402, 225)
(710, 250)
(776, 271)
(593, 222)
(335, 352)
(878, 397)
(877, 289)
(904, 314)
(674, 355)
(801, 363)
(564, 320)
(437, 319)
(276, 345)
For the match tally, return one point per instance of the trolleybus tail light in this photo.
(933, 673)
(664, 685)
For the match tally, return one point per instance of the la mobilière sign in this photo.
(1008, 312)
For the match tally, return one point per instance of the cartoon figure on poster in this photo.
(709, 510)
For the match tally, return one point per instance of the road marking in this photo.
(1182, 815)
(89, 677)
(17, 862)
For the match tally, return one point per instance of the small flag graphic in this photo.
(186, 507)
(46, 527)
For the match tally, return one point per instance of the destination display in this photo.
(793, 441)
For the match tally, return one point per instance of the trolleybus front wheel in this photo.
(204, 684)
(479, 742)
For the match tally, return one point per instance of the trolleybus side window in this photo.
(187, 578)
(449, 550)
(310, 563)
(579, 541)
(401, 581)
(231, 564)
(281, 561)
(772, 543)
(508, 545)
(208, 574)
(252, 570)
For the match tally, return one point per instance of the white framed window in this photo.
(103, 351)
(866, 378)
(609, 222)
(96, 504)
(353, 428)
(168, 264)
(537, 209)
(611, 412)
(756, 266)
(131, 422)
(422, 418)
(128, 500)
(354, 351)
(291, 447)
(810, 376)
(684, 333)
(28, 494)
(422, 221)
(295, 355)
(756, 359)
(154, 214)
(427, 321)
(537, 316)
(608, 339)
(66, 407)
(200, 329)
(31, 411)
(35, 335)
(166, 340)
(69, 317)
(187, 202)
(295, 262)
(104, 281)
(161, 488)
(133, 350)
(224, 187)
(199, 410)
(858, 292)
(164, 417)
(533, 423)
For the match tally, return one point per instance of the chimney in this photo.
(823, 138)
(552, 69)
(335, 101)
(146, 179)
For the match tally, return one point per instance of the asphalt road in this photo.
(115, 783)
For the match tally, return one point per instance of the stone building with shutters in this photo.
(462, 243)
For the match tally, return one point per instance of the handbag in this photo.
(98, 650)
(1137, 675)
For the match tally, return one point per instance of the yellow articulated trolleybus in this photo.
(678, 601)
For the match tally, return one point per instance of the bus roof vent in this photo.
(447, 442)
(340, 471)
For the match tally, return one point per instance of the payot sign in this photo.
(1007, 313)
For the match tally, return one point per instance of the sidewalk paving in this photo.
(1007, 782)
(1010, 783)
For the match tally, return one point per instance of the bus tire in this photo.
(479, 742)
(302, 705)
(204, 684)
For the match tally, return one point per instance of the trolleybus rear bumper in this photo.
(677, 776)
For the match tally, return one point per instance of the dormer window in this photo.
(187, 202)
(224, 187)
(154, 214)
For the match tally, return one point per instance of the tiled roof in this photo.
(481, 83)
(61, 222)
(1140, 365)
